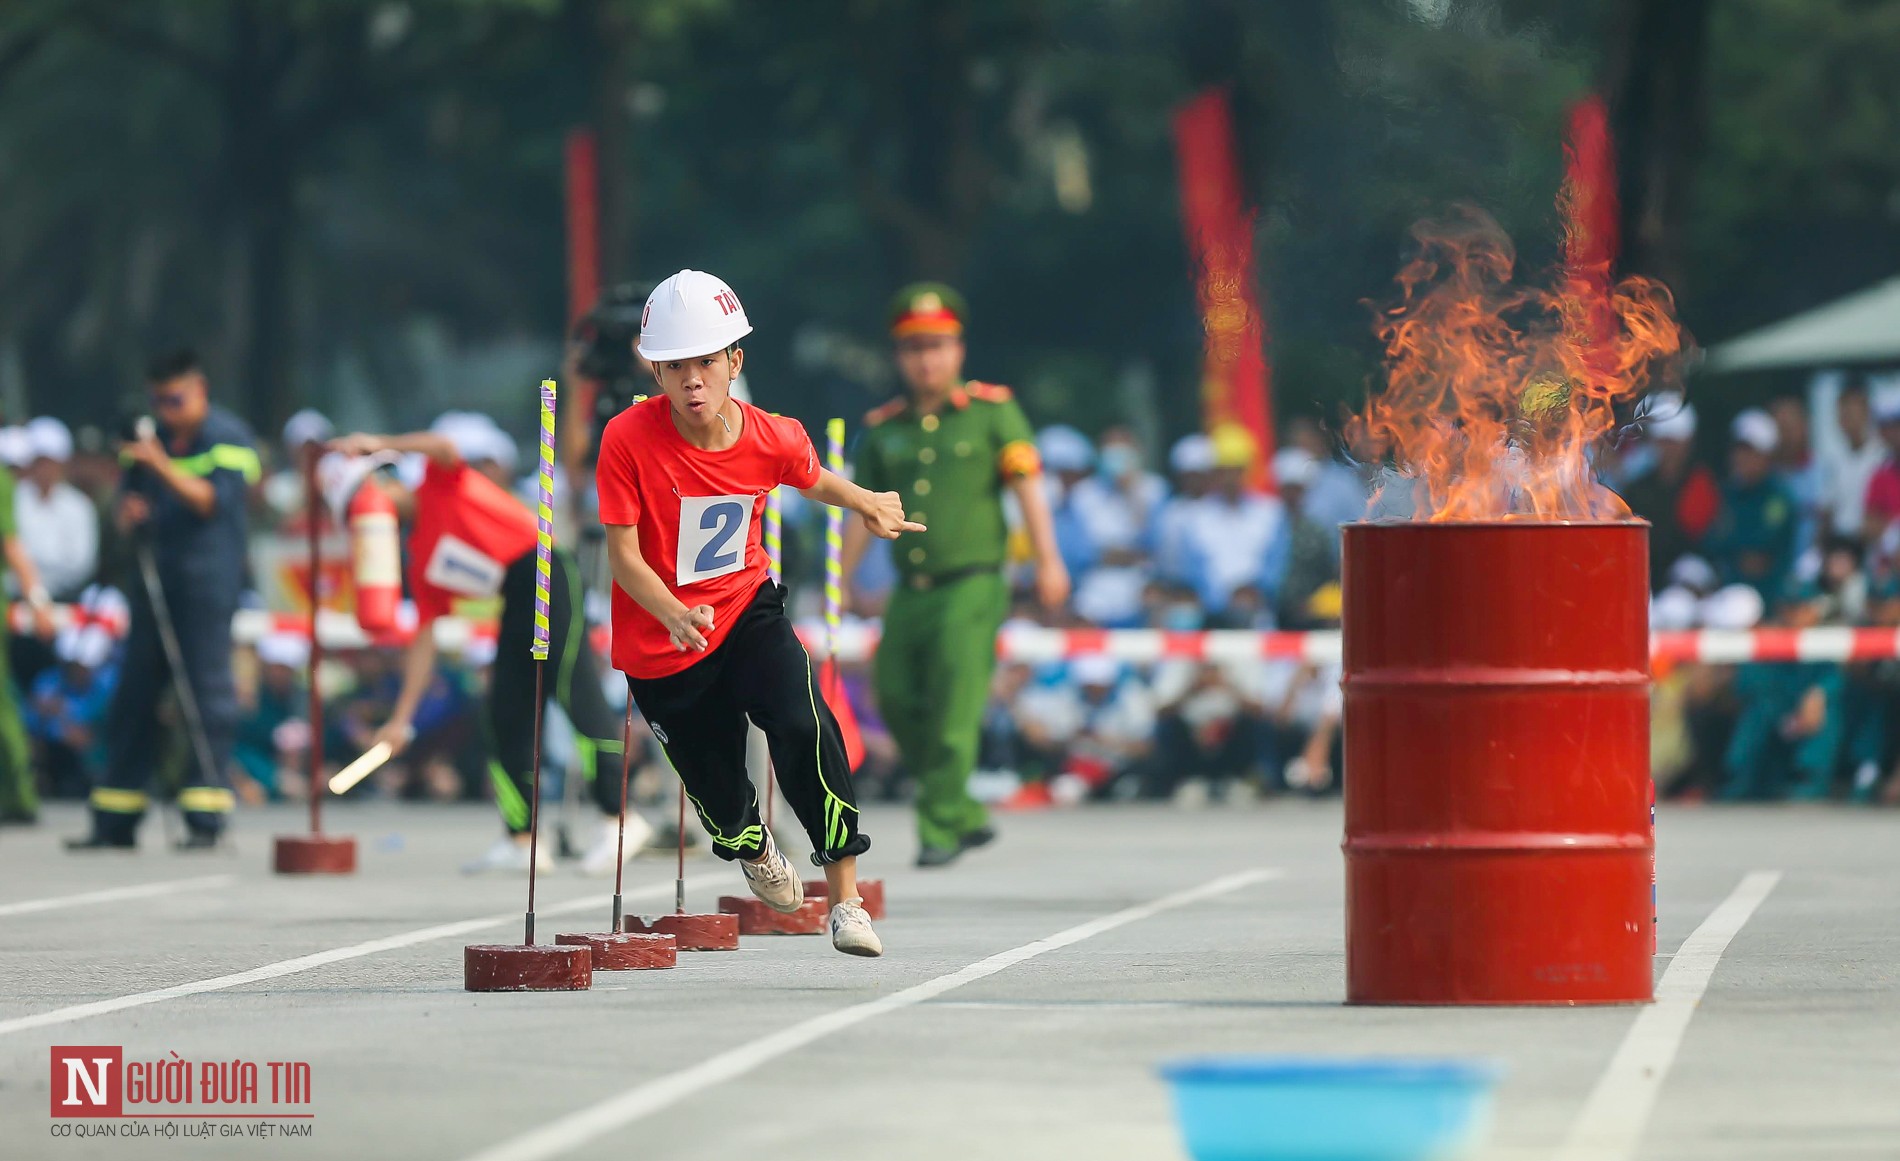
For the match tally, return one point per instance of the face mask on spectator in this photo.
(1181, 618)
(1118, 460)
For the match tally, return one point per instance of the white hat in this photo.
(1735, 607)
(1667, 415)
(1064, 449)
(1192, 453)
(691, 313)
(16, 447)
(307, 426)
(1673, 610)
(1693, 572)
(87, 645)
(1095, 669)
(1884, 398)
(502, 449)
(50, 439)
(1295, 466)
(287, 649)
(477, 438)
(1757, 429)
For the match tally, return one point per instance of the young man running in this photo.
(699, 629)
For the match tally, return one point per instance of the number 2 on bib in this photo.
(714, 531)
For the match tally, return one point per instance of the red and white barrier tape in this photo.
(857, 641)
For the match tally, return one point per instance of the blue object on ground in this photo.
(1291, 1108)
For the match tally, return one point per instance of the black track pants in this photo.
(762, 672)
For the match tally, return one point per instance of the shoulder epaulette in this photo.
(989, 392)
(886, 411)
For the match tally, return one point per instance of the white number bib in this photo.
(714, 531)
(458, 567)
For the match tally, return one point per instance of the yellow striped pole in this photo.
(834, 542)
(544, 545)
(774, 537)
(543, 574)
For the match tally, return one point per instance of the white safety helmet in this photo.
(49, 439)
(691, 314)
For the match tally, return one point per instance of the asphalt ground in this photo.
(1025, 999)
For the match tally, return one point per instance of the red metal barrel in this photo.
(1498, 845)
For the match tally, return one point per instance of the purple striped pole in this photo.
(834, 544)
(544, 545)
(544, 568)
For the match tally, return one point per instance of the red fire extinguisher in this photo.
(376, 558)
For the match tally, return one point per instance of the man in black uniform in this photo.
(184, 492)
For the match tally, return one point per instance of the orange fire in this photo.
(1496, 391)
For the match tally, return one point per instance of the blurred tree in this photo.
(1654, 74)
(1798, 197)
(283, 79)
(358, 202)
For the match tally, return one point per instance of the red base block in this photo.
(689, 932)
(870, 890)
(313, 854)
(624, 952)
(526, 967)
(755, 918)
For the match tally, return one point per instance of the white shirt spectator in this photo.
(1126, 717)
(60, 530)
(1110, 596)
(1227, 543)
(1117, 514)
(58, 525)
(1844, 484)
(1305, 694)
(1338, 495)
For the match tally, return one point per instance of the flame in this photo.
(1496, 390)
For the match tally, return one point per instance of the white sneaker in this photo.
(508, 857)
(773, 879)
(599, 859)
(851, 930)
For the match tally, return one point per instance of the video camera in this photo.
(607, 334)
(609, 331)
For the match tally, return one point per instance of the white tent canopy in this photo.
(1864, 327)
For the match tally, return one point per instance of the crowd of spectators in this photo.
(1204, 547)
(1792, 520)
(1794, 523)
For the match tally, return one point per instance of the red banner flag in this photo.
(1235, 383)
(581, 169)
(1588, 203)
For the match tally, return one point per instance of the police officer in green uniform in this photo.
(949, 447)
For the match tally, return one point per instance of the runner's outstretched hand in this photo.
(884, 516)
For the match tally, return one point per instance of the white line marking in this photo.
(596, 1121)
(304, 963)
(112, 895)
(1612, 1121)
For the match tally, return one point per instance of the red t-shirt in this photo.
(1883, 492)
(699, 516)
(468, 530)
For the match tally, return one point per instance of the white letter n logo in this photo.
(77, 1074)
